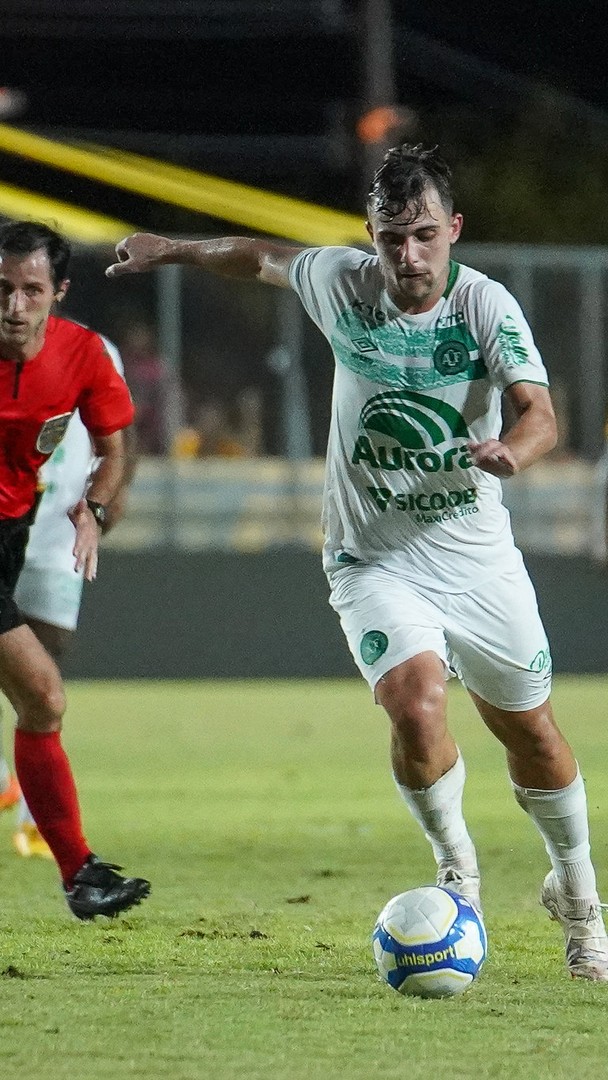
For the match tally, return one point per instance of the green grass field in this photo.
(265, 817)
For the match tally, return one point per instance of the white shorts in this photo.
(50, 593)
(491, 637)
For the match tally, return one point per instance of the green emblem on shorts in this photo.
(451, 357)
(541, 662)
(373, 645)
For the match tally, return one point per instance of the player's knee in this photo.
(418, 720)
(545, 743)
(539, 740)
(53, 705)
(45, 708)
(412, 690)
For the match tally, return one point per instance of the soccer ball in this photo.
(430, 942)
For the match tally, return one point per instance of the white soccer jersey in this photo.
(410, 392)
(49, 588)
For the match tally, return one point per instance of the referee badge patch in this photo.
(373, 645)
(51, 433)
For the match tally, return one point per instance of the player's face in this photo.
(414, 258)
(27, 294)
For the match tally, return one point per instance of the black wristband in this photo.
(98, 511)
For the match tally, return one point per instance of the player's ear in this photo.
(62, 290)
(369, 229)
(455, 227)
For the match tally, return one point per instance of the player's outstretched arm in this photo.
(230, 256)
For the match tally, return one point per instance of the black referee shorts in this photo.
(14, 534)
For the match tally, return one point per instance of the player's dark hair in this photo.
(402, 180)
(24, 237)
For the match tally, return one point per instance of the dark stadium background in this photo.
(270, 92)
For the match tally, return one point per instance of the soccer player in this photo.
(48, 368)
(49, 592)
(422, 566)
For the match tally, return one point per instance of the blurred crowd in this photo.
(171, 421)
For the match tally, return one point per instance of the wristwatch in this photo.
(98, 511)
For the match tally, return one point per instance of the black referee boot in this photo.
(98, 890)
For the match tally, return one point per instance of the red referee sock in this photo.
(44, 772)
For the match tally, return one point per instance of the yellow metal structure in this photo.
(242, 204)
(79, 225)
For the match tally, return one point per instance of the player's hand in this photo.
(87, 539)
(138, 253)
(493, 457)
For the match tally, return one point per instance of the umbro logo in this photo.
(364, 344)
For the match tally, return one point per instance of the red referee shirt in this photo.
(37, 397)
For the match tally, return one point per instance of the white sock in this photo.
(5, 772)
(561, 818)
(23, 813)
(5, 775)
(438, 809)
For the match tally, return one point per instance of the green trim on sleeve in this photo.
(535, 382)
